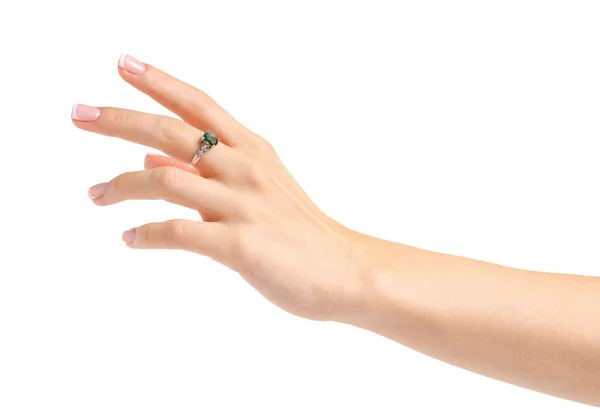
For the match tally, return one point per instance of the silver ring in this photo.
(208, 141)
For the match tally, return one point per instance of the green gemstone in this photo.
(210, 139)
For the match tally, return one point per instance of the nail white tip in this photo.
(122, 61)
(74, 112)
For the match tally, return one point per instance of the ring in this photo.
(208, 141)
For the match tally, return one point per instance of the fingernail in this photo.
(147, 160)
(130, 64)
(97, 190)
(129, 236)
(85, 113)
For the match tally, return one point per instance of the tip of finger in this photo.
(151, 160)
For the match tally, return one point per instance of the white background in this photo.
(466, 127)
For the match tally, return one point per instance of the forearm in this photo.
(537, 330)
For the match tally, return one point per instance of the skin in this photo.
(533, 329)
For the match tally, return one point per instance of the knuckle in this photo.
(263, 146)
(196, 98)
(158, 81)
(118, 183)
(118, 116)
(256, 172)
(167, 177)
(175, 230)
(170, 129)
(243, 243)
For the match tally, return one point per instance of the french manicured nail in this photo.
(97, 190)
(131, 65)
(85, 113)
(129, 236)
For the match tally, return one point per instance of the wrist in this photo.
(372, 259)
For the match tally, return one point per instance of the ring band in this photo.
(208, 141)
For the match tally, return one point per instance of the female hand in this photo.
(255, 217)
(502, 322)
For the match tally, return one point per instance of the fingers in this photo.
(167, 183)
(192, 105)
(170, 135)
(200, 237)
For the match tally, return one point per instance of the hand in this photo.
(255, 217)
